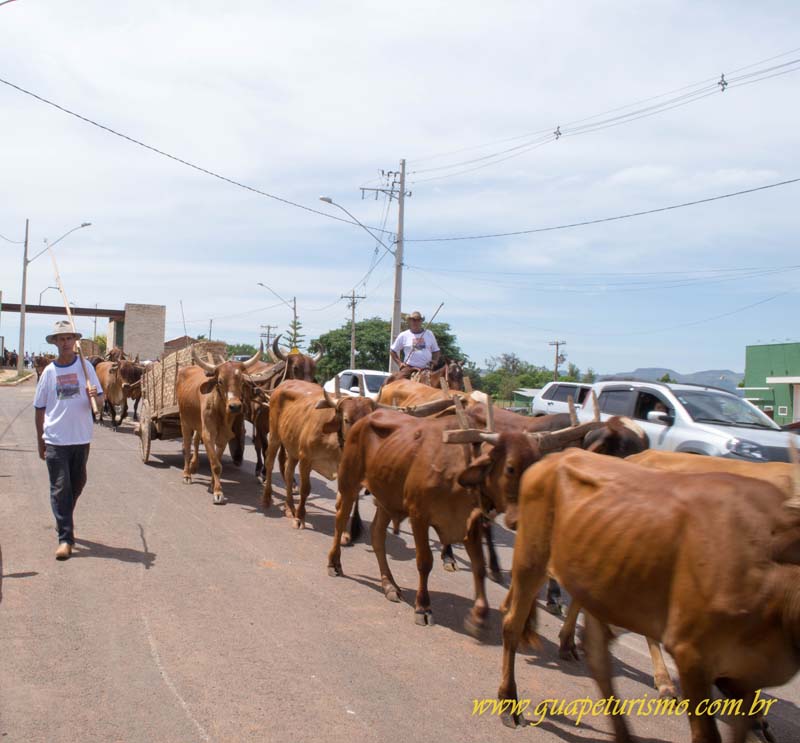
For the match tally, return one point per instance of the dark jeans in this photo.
(67, 468)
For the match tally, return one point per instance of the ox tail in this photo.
(356, 524)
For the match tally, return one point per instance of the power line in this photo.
(198, 168)
(604, 219)
(13, 242)
(702, 90)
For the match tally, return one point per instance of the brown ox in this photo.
(689, 560)
(210, 408)
(40, 362)
(406, 393)
(405, 464)
(298, 365)
(119, 380)
(311, 427)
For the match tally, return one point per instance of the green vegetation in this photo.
(240, 349)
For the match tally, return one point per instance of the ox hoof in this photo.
(423, 617)
(496, 577)
(298, 524)
(568, 651)
(346, 540)
(392, 593)
(475, 627)
(665, 692)
(220, 499)
(510, 720)
(187, 479)
(334, 571)
(554, 608)
(449, 564)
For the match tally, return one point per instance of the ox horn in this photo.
(279, 355)
(252, 360)
(557, 440)
(331, 403)
(204, 365)
(573, 416)
(596, 407)
(318, 355)
(490, 438)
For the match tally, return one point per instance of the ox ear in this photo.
(332, 426)
(208, 386)
(476, 472)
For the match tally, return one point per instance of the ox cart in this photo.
(159, 417)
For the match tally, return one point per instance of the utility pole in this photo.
(210, 323)
(396, 178)
(21, 348)
(559, 358)
(352, 305)
(95, 321)
(268, 334)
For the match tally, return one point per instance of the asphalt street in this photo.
(177, 620)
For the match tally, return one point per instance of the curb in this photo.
(16, 381)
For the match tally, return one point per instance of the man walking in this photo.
(64, 426)
(421, 351)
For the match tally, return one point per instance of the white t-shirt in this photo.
(62, 393)
(418, 347)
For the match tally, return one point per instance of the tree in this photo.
(102, 343)
(573, 373)
(590, 376)
(667, 378)
(293, 336)
(240, 349)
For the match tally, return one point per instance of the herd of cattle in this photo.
(700, 555)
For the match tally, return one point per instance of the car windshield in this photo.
(374, 381)
(714, 407)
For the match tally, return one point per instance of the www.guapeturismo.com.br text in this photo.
(639, 707)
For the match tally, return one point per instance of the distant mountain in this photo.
(724, 378)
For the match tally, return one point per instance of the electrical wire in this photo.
(198, 168)
(13, 242)
(584, 223)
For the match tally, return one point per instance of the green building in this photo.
(772, 380)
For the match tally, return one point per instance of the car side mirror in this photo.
(658, 416)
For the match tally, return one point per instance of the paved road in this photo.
(177, 620)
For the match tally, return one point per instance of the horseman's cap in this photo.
(62, 327)
(415, 316)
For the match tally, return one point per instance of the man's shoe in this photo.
(64, 551)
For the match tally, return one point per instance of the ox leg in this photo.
(187, 449)
(495, 574)
(288, 477)
(123, 412)
(743, 726)
(567, 650)
(214, 454)
(696, 685)
(344, 504)
(195, 461)
(596, 640)
(520, 613)
(381, 520)
(475, 622)
(136, 408)
(661, 677)
(272, 450)
(258, 445)
(422, 608)
(356, 526)
(305, 489)
(448, 559)
(553, 598)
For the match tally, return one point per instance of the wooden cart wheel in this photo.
(145, 431)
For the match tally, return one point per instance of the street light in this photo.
(44, 290)
(25, 263)
(398, 271)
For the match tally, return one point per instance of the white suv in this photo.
(693, 418)
(554, 397)
(350, 381)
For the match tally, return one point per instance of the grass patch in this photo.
(16, 378)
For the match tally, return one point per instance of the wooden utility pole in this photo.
(268, 333)
(352, 305)
(559, 358)
(397, 190)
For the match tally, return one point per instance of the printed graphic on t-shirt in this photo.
(418, 343)
(67, 386)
